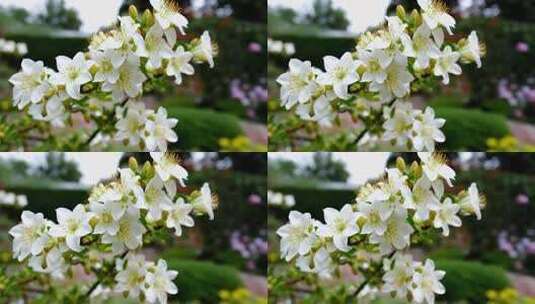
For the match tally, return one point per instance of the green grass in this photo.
(468, 130)
(201, 129)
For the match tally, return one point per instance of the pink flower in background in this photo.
(255, 47)
(522, 47)
(522, 199)
(255, 199)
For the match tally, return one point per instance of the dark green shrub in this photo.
(470, 129)
(202, 281)
(447, 101)
(447, 253)
(200, 129)
(469, 281)
(497, 258)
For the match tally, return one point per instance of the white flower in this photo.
(320, 263)
(130, 183)
(129, 235)
(421, 199)
(447, 215)
(167, 14)
(30, 236)
(340, 73)
(203, 202)
(72, 73)
(472, 50)
(396, 27)
(130, 81)
(179, 215)
(154, 47)
(179, 64)
(159, 130)
(340, 225)
(435, 14)
(447, 64)
(131, 125)
(297, 85)
(107, 215)
(397, 234)
(426, 282)
(167, 166)
(376, 62)
(471, 203)
(131, 278)
(398, 279)
(155, 200)
(376, 215)
(421, 47)
(397, 83)
(297, 236)
(72, 225)
(30, 84)
(398, 127)
(159, 283)
(53, 262)
(52, 110)
(204, 51)
(427, 131)
(435, 166)
(108, 63)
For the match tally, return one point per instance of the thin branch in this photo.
(95, 133)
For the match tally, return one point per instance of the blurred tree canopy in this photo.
(57, 167)
(56, 14)
(250, 10)
(324, 14)
(325, 167)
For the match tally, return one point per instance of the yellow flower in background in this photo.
(507, 296)
(239, 296)
(240, 144)
(508, 144)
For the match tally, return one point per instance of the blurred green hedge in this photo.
(315, 46)
(313, 196)
(202, 281)
(45, 196)
(469, 281)
(201, 129)
(468, 130)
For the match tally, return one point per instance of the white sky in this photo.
(93, 166)
(361, 13)
(361, 166)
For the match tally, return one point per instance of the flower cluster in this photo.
(250, 248)
(12, 47)
(13, 200)
(373, 83)
(106, 82)
(280, 200)
(115, 222)
(385, 220)
(280, 47)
